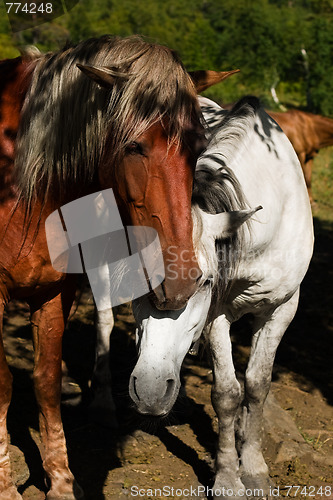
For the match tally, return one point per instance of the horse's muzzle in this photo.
(153, 397)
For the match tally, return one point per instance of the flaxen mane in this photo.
(67, 118)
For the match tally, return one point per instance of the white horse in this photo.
(253, 261)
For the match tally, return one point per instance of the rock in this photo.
(282, 438)
(20, 469)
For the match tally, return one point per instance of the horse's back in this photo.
(299, 128)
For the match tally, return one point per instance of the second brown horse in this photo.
(308, 133)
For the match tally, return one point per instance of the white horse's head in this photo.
(164, 337)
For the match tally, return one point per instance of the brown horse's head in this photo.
(137, 131)
(150, 156)
(153, 186)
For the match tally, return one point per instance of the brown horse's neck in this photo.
(15, 77)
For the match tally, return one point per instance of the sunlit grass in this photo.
(322, 185)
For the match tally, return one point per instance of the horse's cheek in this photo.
(132, 181)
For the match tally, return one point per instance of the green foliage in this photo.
(321, 66)
(263, 38)
(4, 22)
(7, 50)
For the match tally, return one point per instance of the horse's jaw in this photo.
(163, 341)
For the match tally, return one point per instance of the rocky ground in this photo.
(114, 464)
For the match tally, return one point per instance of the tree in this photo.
(320, 53)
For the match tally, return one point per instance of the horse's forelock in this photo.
(158, 90)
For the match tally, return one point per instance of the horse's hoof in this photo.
(75, 494)
(261, 486)
(230, 492)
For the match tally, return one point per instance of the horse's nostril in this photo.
(170, 387)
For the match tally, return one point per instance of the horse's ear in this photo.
(103, 76)
(225, 224)
(203, 79)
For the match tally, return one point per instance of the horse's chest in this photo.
(259, 287)
(25, 265)
(248, 297)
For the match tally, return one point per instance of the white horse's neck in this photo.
(267, 168)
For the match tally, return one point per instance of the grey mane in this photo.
(216, 189)
(233, 131)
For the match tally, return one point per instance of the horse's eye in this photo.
(134, 148)
(208, 282)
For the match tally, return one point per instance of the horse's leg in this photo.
(48, 321)
(266, 338)
(7, 488)
(226, 398)
(102, 404)
(307, 169)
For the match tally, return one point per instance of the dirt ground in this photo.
(114, 464)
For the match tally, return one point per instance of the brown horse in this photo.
(131, 122)
(307, 133)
